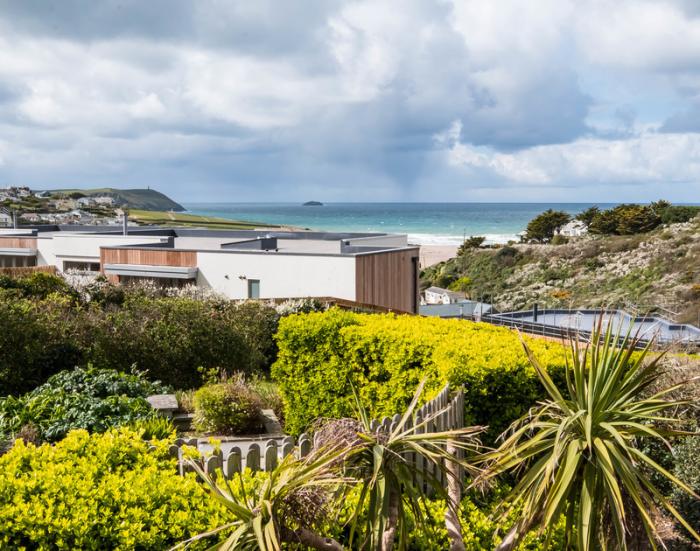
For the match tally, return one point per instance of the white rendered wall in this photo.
(280, 275)
(57, 248)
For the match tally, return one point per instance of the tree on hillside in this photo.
(473, 242)
(588, 215)
(660, 206)
(626, 219)
(543, 227)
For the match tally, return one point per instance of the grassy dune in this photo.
(192, 220)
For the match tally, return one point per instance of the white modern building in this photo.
(369, 268)
(574, 228)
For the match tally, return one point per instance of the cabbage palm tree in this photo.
(272, 514)
(390, 487)
(578, 453)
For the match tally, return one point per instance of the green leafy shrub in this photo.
(386, 357)
(543, 227)
(169, 338)
(36, 341)
(92, 399)
(479, 530)
(154, 428)
(96, 492)
(687, 468)
(38, 285)
(227, 408)
(626, 219)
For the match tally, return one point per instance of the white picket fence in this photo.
(442, 413)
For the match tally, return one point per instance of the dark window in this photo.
(253, 288)
(81, 266)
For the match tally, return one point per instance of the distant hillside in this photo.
(193, 220)
(142, 199)
(656, 269)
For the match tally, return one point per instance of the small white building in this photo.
(438, 295)
(5, 218)
(103, 200)
(575, 228)
(85, 202)
(31, 217)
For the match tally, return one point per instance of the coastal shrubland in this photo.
(385, 356)
(657, 269)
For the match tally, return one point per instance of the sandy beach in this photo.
(434, 254)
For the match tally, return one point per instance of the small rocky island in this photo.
(313, 204)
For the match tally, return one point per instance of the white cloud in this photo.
(339, 93)
(639, 34)
(648, 158)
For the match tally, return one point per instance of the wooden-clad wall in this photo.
(17, 243)
(148, 257)
(388, 279)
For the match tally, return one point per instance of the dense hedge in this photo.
(99, 492)
(386, 356)
(169, 338)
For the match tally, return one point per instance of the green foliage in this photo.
(587, 216)
(626, 219)
(36, 341)
(230, 407)
(92, 399)
(169, 338)
(579, 451)
(154, 427)
(390, 492)
(543, 227)
(687, 468)
(473, 242)
(95, 492)
(385, 357)
(264, 514)
(461, 285)
(678, 214)
(559, 240)
(38, 285)
(480, 530)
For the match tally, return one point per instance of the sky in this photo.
(380, 100)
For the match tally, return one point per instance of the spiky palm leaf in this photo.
(256, 522)
(580, 448)
(389, 484)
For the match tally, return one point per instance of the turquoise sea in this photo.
(425, 223)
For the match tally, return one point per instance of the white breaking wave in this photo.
(452, 240)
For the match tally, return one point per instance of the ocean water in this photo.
(425, 223)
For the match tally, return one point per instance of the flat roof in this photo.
(646, 327)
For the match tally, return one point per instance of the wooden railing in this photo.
(444, 412)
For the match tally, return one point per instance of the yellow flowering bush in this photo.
(386, 356)
(479, 530)
(99, 491)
